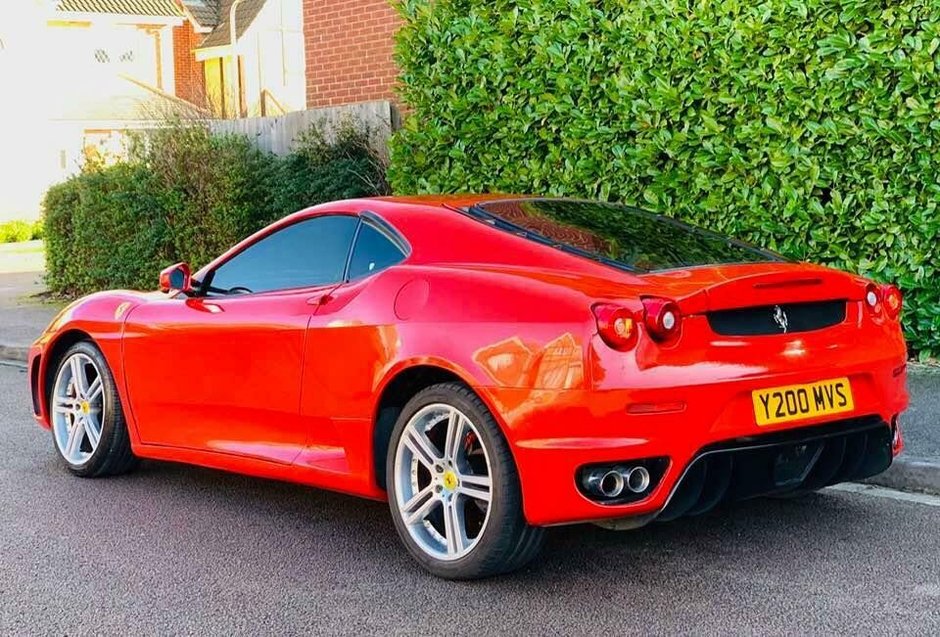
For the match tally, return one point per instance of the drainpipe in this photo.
(233, 40)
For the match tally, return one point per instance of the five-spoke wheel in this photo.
(87, 420)
(453, 488)
(442, 480)
(77, 408)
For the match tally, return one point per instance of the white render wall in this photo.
(27, 161)
(272, 50)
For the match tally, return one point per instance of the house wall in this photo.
(349, 45)
(166, 60)
(190, 79)
(272, 80)
(216, 87)
(273, 65)
(220, 91)
(96, 52)
(63, 87)
(27, 159)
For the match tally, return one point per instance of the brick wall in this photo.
(349, 47)
(190, 79)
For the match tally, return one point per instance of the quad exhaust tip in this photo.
(611, 483)
(638, 479)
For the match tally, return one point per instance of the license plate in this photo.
(796, 402)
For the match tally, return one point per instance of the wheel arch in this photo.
(399, 386)
(55, 350)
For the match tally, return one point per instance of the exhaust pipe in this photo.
(897, 442)
(611, 483)
(637, 479)
(608, 483)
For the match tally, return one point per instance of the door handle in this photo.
(203, 306)
(320, 299)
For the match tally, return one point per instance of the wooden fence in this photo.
(277, 134)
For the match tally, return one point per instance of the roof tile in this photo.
(161, 8)
(206, 13)
(245, 14)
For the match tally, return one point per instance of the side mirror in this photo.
(176, 277)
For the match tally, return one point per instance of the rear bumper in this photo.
(780, 463)
(555, 434)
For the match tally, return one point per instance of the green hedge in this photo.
(104, 229)
(188, 195)
(806, 126)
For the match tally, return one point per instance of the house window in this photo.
(119, 49)
(102, 56)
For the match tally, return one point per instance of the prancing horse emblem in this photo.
(780, 318)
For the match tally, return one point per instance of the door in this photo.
(350, 342)
(221, 371)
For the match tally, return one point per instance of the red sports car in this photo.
(491, 366)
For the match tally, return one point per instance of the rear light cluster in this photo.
(884, 298)
(662, 318)
(892, 300)
(618, 326)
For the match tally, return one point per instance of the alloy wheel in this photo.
(443, 482)
(77, 408)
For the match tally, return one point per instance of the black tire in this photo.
(506, 542)
(113, 456)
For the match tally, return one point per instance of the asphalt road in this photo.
(179, 550)
(921, 422)
(22, 316)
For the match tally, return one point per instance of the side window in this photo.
(373, 252)
(308, 253)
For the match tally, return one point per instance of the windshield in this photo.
(620, 236)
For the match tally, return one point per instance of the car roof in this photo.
(394, 206)
(440, 231)
(449, 200)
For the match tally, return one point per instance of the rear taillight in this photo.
(616, 325)
(892, 300)
(662, 318)
(873, 298)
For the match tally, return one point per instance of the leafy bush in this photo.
(16, 231)
(806, 126)
(105, 228)
(215, 189)
(186, 194)
(321, 170)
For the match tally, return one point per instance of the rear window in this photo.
(620, 236)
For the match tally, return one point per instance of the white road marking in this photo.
(890, 494)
